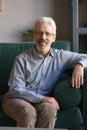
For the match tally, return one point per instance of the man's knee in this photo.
(19, 108)
(28, 111)
(47, 109)
(27, 117)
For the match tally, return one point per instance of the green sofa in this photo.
(72, 114)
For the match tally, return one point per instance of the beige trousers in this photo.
(42, 115)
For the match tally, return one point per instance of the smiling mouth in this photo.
(41, 41)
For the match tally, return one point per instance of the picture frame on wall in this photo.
(0, 5)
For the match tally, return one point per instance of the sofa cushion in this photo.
(5, 120)
(69, 118)
(65, 94)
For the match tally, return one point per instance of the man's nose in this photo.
(43, 35)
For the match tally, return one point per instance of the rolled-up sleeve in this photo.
(72, 58)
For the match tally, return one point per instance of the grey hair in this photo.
(46, 20)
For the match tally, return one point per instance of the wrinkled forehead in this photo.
(43, 26)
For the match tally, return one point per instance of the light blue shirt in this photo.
(33, 77)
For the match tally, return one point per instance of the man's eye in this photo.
(44, 33)
(48, 34)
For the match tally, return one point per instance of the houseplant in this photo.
(27, 35)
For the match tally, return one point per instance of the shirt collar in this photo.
(35, 54)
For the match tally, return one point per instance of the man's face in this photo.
(43, 36)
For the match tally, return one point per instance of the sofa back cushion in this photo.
(8, 52)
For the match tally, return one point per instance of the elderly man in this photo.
(34, 75)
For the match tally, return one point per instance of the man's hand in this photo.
(78, 76)
(52, 101)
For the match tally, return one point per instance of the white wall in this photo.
(17, 15)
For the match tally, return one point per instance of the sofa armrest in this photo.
(65, 94)
(85, 97)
